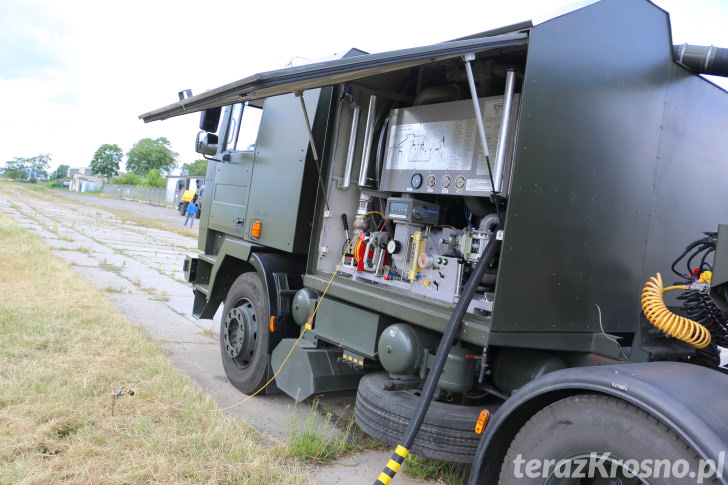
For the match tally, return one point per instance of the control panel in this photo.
(436, 149)
(420, 256)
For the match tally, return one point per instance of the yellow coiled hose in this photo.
(673, 325)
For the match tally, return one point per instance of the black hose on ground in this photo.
(433, 376)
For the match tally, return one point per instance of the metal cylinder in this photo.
(368, 139)
(476, 104)
(458, 372)
(303, 305)
(500, 152)
(416, 250)
(352, 146)
(401, 348)
(703, 59)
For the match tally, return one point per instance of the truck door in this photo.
(229, 198)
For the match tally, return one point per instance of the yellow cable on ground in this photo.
(306, 327)
(673, 325)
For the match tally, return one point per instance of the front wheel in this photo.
(244, 334)
(595, 439)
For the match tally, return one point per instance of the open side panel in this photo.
(581, 197)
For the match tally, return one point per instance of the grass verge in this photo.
(434, 471)
(63, 352)
(319, 440)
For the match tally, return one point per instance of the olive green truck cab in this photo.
(469, 235)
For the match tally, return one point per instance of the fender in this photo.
(282, 276)
(689, 399)
(236, 257)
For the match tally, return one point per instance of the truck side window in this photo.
(243, 129)
(249, 127)
(233, 126)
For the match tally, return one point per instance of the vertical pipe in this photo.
(352, 145)
(500, 152)
(478, 115)
(368, 136)
(416, 250)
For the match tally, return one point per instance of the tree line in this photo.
(33, 169)
(148, 161)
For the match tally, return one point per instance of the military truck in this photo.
(471, 235)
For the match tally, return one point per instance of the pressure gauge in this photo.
(393, 246)
(416, 181)
(426, 261)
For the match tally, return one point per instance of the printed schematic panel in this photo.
(436, 148)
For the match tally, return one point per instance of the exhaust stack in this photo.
(703, 59)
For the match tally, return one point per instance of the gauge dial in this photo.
(393, 246)
(416, 181)
(431, 180)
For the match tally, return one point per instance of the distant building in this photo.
(85, 183)
(80, 170)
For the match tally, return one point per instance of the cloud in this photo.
(76, 74)
(32, 42)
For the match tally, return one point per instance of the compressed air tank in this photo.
(402, 349)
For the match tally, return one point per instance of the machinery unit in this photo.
(482, 227)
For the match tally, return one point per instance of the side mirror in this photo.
(207, 145)
(210, 119)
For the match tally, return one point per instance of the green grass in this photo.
(63, 351)
(434, 470)
(317, 442)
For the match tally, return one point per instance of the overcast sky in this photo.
(75, 75)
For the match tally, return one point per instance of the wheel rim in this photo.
(241, 324)
(616, 471)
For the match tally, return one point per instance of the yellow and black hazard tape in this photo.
(392, 467)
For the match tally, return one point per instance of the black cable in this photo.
(689, 248)
(446, 342)
(428, 390)
(699, 307)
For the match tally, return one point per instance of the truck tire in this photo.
(447, 432)
(244, 334)
(594, 432)
(182, 208)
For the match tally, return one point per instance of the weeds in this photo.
(315, 442)
(434, 470)
(60, 362)
(110, 267)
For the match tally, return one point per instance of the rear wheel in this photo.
(596, 439)
(244, 334)
(182, 208)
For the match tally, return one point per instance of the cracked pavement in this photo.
(139, 267)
